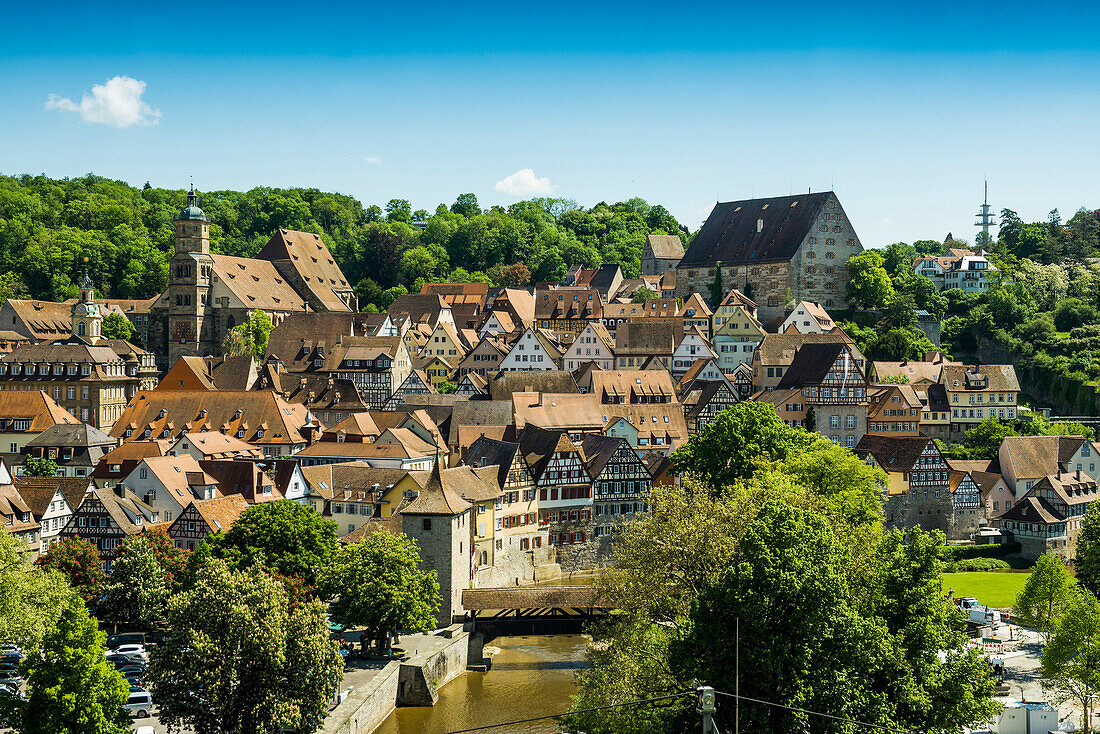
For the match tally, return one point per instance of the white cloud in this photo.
(524, 183)
(117, 103)
(373, 160)
(886, 221)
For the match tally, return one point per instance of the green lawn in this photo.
(991, 589)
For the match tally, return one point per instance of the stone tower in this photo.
(87, 317)
(190, 312)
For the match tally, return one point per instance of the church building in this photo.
(208, 295)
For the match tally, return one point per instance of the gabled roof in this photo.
(781, 348)
(598, 450)
(893, 453)
(558, 410)
(537, 445)
(811, 363)
(487, 451)
(42, 410)
(665, 246)
(646, 337)
(317, 270)
(1033, 457)
(217, 445)
(80, 435)
(568, 303)
(220, 513)
(999, 376)
(188, 410)
(129, 513)
(418, 308)
(697, 305)
(256, 283)
(456, 293)
(38, 492)
(737, 298)
(755, 230)
(296, 337)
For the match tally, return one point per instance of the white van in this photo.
(139, 705)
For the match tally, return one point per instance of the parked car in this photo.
(10, 676)
(131, 669)
(134, 680)
(145, 730)
(134, 651)
(126, 638)
(139, 705)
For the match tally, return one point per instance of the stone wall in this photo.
(422, 676)
(367, 707)
(910, 510)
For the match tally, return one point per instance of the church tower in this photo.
(190, 315)
(87, 317)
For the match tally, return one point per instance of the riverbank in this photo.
(530, 676)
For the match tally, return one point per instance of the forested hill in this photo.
(48, 227)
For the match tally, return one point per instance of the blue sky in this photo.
(902, 112)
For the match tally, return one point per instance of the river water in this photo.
(531, 676)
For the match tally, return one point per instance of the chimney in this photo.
(760, 225)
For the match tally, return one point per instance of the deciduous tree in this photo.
(1071, 659)
(239, 660)
(30, 597)
(377, 583)
(78, 559)
(136, 591)
(1046, 595)
(117, 326)
(71, 688)
(34, 466)
(869, 284)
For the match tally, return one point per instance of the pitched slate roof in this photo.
(781, 348)
(598, 450)
(1033, 509)
(810, 365)
(665, 246)
(487, 451)
(418, 308)
(307, 254)
(295, 338)
(732, 235)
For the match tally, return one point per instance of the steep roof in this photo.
(256, 283)
(755, 230)
(1032, 457)
(598, 450)
(295, 338)
(568, 303)
(893, 453)
(439, 496)
(665, 246)
(1033, 509)
(42, 410)
(217, 445)
(307, 254)
(781, 348)
(811, 363)
(999, 376)
(38, 492)
(418, 308)
(696, 308)
(456, 293)
(646, 337)
(199, 410)
(487, 451)
(558, 410)
(219, 513)
(538, 445)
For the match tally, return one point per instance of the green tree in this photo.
(1071, 658)
(446, 387)
(1086, 563)
(255, 332)
(740, 441)
(286, 536)
(30, 597)
(869, 284)
(136, 591)
(717, 292)
(71, 688)
(1046, 595)
(34, 466)
(117, 326)
(398, 210)
(240, 660)
(643, 294)
(466, 205)
(78, 559)
(377, 584)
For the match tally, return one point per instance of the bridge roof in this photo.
(530, 597)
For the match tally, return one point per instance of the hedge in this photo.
(992, 550)
(980, 564)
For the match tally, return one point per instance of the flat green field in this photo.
(991, 589)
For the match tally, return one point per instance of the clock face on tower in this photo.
(182, 332)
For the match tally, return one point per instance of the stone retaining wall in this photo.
(366, 707)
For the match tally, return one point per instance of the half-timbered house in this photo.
(203, 518)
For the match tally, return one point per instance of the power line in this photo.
(816, 713)
(580, 711)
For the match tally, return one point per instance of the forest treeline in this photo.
(49, 226)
